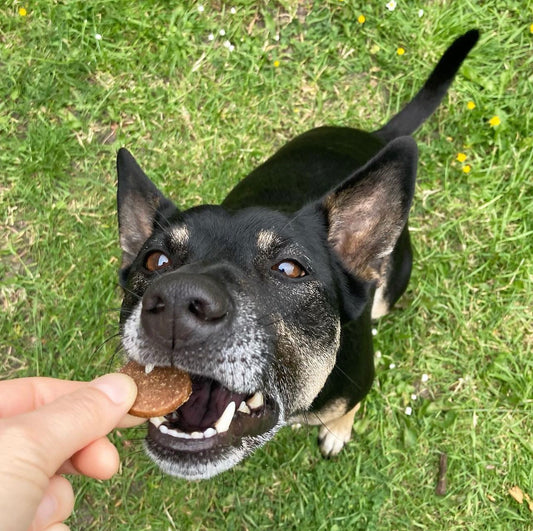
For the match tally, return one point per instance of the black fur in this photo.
(272, 291)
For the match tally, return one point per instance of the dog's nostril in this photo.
(196, 308)
(207, 310)
(154, 304)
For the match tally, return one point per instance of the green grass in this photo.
(199, 117)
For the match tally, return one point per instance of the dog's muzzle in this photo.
(180, 308)
(188, 320)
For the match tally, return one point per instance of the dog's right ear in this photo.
(139, 204)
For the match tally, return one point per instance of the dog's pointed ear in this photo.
(139, 203)
(368, 211)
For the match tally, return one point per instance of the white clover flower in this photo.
(97, 36)
(425, 378)
(374, 332)
(392, 366)
(229, 46)
(201, 8)
(408, 410)
(222, 32)
(211, 37)
(420, 12)
(233, 11)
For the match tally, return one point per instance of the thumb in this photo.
(61, 428)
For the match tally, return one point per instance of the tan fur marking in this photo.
(312, 360)
(265, 240)
(180, 236)
(332, 411)
(334, 434)
(380, 306)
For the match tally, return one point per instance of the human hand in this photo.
(50, 427)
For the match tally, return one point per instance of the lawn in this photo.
(203, 93)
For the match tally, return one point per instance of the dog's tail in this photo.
(411, 117)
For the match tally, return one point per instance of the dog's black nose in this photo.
(181, 308)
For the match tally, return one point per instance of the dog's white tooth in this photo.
(157, 421)
(180, 434)
(243, 408)
(223, 423)
(175, 433)
(210, 432)
(163, 429)
(256, 401)
(197, 435)
(149, 367)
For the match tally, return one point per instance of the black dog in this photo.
(267, 300)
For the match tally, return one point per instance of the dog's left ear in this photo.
(139, 203)
(368, 211)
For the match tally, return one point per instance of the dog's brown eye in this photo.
(290, 269)
(156, 260)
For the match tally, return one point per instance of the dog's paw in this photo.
(333, 435)
(332, 442)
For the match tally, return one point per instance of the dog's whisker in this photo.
(347, 376)
(130, 292)
(166, 221)
(111, 360)
(102, 345)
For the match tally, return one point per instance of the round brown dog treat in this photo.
(160, 392)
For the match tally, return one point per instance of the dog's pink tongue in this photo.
(159, 390)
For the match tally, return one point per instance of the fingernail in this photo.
(119, 388)
(46, 510)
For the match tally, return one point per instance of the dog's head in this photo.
(250, 303)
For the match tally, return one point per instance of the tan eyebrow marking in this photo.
(266, 239)
(180, 236)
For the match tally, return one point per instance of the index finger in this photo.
(23, 395)
(27, 394)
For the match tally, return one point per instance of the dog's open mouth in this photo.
(213, 417)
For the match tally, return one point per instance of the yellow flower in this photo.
(470, 105)
(276, 64)
(494, 121)
(461, 157)
(361, 19)
(531, 28)
(467, 168)
(22, 12)
(400, 51)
